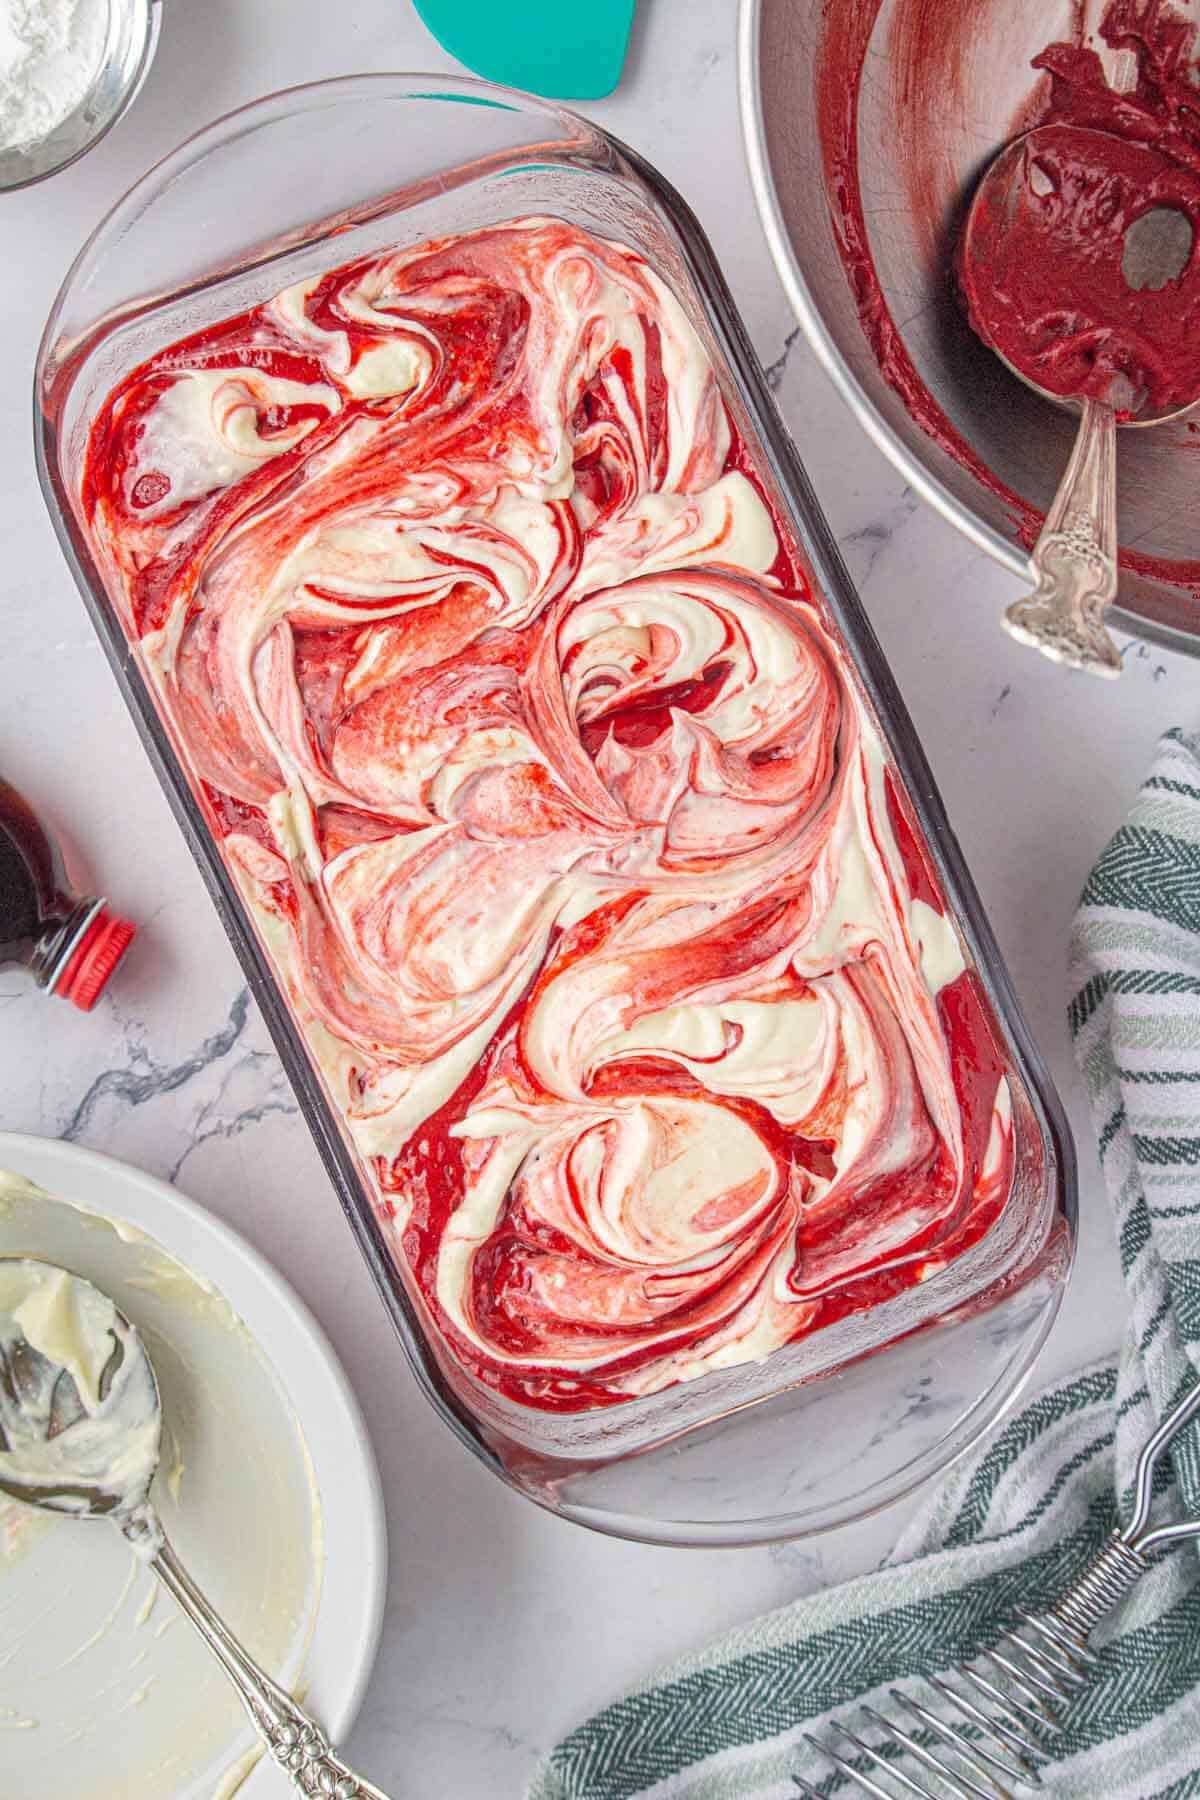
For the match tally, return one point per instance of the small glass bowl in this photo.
(850, 1418)
(130, 42)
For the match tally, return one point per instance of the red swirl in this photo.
(546, 782)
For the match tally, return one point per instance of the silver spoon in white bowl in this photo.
(80, 1433)
(1075, 559)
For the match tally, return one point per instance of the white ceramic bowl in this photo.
(105, 1684)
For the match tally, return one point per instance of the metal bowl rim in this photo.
(916, 474)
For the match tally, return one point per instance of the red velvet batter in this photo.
(1042, 276)
(1158, 123)
(431, 1166)
(929, 37)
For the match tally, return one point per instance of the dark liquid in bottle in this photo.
(35, 904)
(69, 943)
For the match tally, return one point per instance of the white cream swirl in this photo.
(558, 810)
(79, 1414)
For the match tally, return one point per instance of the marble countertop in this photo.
(504, 1625)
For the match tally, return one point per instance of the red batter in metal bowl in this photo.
(1045, 270)
(940, 63)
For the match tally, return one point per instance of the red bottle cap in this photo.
(94, 958)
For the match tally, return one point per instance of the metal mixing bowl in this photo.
(921, 147)
(131, 38)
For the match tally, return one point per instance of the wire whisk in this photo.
(990, 1725)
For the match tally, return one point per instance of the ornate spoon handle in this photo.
(296, 1742)
(1075, 559)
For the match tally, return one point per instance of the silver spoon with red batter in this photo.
(1070, 263)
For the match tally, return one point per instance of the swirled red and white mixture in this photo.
(544, 778)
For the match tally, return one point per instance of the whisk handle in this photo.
(1115, 1568)
(1135, 1532)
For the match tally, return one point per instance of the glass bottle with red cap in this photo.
(70, 943)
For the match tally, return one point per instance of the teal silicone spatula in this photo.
(566, 52)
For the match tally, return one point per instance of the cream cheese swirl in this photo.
(546, 781)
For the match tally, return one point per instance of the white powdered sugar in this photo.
(50, 51)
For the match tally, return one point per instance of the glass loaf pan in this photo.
(844, 1421)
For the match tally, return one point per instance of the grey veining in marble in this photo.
(504, 1625)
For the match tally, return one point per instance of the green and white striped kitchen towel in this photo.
(1015, 1522)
